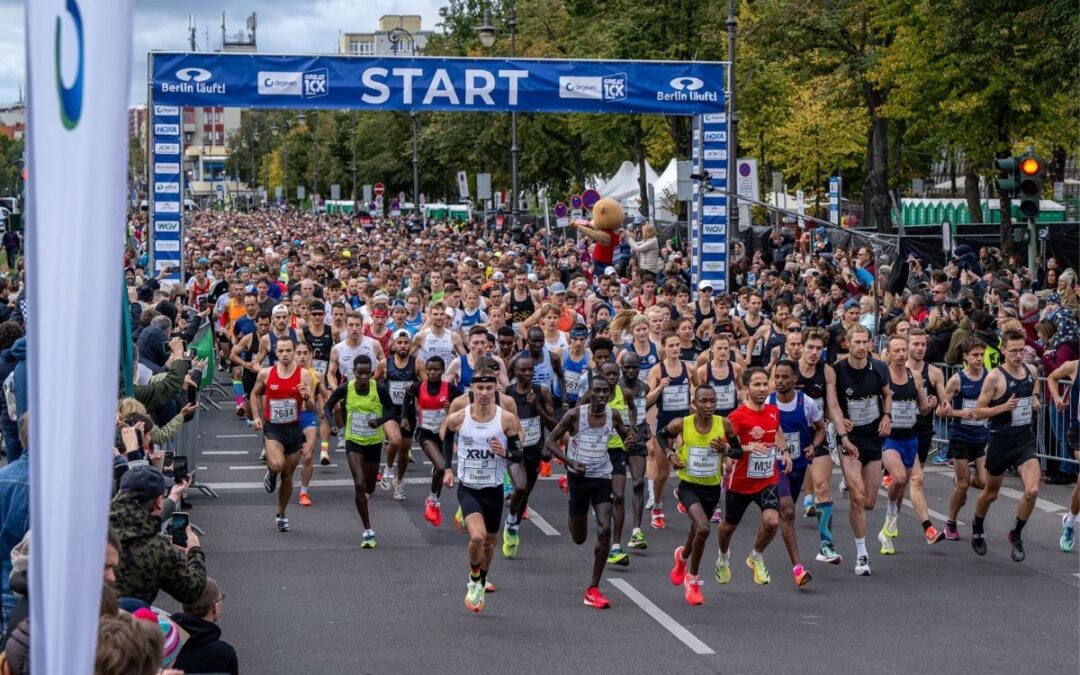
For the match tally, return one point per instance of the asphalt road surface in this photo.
(311, 601)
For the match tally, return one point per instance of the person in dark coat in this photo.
(205, 651)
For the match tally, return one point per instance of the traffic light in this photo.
(1032, 176)
(1008, 180)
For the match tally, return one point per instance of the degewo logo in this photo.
(593, 87)
(71, 98)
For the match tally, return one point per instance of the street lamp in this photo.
(254, 171)
(487, 34)
(394, 36)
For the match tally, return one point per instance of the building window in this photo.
(358, 48)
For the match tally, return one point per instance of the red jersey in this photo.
(384, 340)
(754, 473)
(432, 409)
(283, 399)
(602, 253)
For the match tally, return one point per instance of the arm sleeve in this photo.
(448, 448)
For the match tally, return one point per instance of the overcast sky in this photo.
(284, 26)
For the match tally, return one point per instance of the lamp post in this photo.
(487, 33)
(254, 169)
(395, 36)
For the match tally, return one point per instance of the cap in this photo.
(280, 309)
(498, 276)
(851, 303)
(398, 303)
(703, 284)
(450, 312)
(401, 332)
(145, 482)
(317, 306)
(821, 231)
(346, 253)
(533, 278)
(557, 288)
(1053, 299)
(610, 271)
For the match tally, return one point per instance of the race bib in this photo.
(904, 413)
(573, 383)
(793, 441)
(1021, 414)
(757, 347)
(676, 397)
(761, 466)
(359, 424)
(639, 403)
(591, 447)
(531, 427)
(971, 404)
(397, 391)
(702, 462)
(863, 411)
(480, 472)
(320, 366)
(432, 419)
(284, 411)
(725, 396)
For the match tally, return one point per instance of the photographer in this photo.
(149, 562)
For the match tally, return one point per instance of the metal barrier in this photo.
(1051, 426)
(185, 443)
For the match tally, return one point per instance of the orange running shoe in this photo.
(692, 589)
(433, 512)
(594, 598)
(304, 499)
(564, 484)
(933, 535)
(658, 519)
(678, 570)
(545, 469)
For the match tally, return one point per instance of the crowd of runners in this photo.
(501, 357)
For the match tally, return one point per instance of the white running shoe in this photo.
(399, 491)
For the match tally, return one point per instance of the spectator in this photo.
(128, 646)
(14, 515)
(647, 250)
(18, 379)
(9, 333)
(149, 563)
(1029, 315)
(205, 651)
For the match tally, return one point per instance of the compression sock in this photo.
(860, 547)
(824, 525)
(1019, 526)
(977, 525)
(926, 525)
(726, 555)
(650, 487)
(238, 392)
(324, 446)
(475, 573)
(483, 576)
(433, 497)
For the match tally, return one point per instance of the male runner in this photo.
(575, 366)
(344, 353)
(588, 464)
(547, 372)
(399, 370)
(756, 425)
(1009, 402)
(279, 328)
(317, 334)
(460, 370)
(426, 406)
(436, 339)
(861, 410)
(1068, 371)
(967, 435)
(636, 452)
(699, 460)
(288, 388)
(243, 356)
(933, 383)
(482, 435)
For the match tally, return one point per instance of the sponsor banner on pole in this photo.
(79, 58)
(167, 197)
(438, 84)
(712, 238)
(834, 200)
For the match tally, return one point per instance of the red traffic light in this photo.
(1029, 166)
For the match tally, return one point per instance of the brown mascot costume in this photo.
(604, 230)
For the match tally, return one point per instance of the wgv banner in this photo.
(79, 62)
(166, 184)
(432, 83)
(712, 206)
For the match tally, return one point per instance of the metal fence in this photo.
(1051, 426)
(185, 443)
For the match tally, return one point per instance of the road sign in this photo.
(379, 189)
(483, 186)
(463, 184)
(835, 185)
(589, 198)
(401, 196)
(367, 193)
(335, 192)
(575, 202)
(395, 205)
(800, 207)
(560, 210)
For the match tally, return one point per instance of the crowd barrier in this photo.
(185, 443)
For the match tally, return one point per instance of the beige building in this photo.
(378, 43)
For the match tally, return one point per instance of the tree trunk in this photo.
(876, 212)
(971, 193)
(577, 149)
(639, 158)
(679, 129)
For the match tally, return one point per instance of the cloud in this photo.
(284, 27)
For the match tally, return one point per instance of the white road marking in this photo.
(661, 617)
(907, 502)
(262, 467)
(544, 525)
(1040, 503)
(236, 435)
(223, 452)
(326, 482)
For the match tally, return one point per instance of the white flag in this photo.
(79, 62)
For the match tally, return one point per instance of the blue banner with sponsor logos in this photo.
(712, 148)
(442, 84)
(167, 203)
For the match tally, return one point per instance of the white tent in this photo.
(623, 186)
(665, 188)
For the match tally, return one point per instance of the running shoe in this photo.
(649, 501)
(678, 570)
(270, 482)
(723, 570)
(679, 506)
(618, 557)
(933, 535)
(489, 586)
(658, 519)
(341, 442)
(802, 576)
(717, 516)
(843, 488)
(399, 490)
(474, 597)
(886, 481)
(564, 484)
(951, 533)
(941, 457)
(761, 575)
(827, 554)
(324, 457)
(887, 547)
(282, 522)
(368, 540)
(545, 469)
(862, 566)
(383, 480)
(890, 527)
(249, 424)
(808, 506)
(692, 589)
(1017, 552)
(594, 598)
(240, 410)
(304, 499)
(638, 541)
(459, 521)
(978, 542)
(1068, 535)
(511, 540)
(433, 512)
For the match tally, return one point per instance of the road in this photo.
(311, 601)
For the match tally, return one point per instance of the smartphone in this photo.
(180, 468)
(179, 528)
(169, 454)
